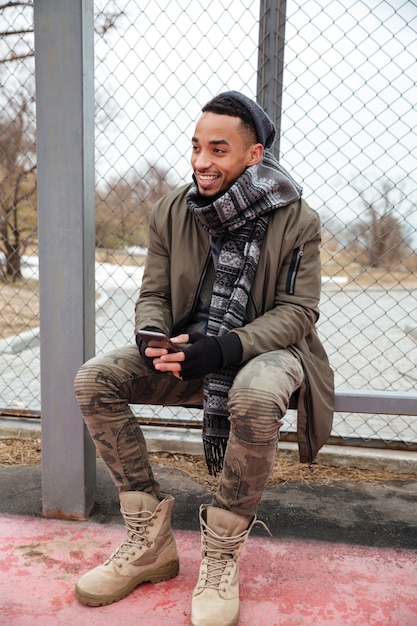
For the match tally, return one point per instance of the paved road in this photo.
(382, 356)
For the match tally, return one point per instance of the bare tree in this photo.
(123, 206)
(382, 235)
(17, 38)
(19, 35)
(18, 221)
(17, 186)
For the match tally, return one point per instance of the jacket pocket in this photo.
(293, 271)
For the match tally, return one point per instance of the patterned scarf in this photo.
(240, 217)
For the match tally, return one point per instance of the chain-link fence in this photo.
(19, 302)
(348, 134)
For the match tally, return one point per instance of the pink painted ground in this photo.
(283, 582)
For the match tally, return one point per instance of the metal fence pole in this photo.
(271, 62)
(65, 146)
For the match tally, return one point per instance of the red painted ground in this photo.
(283, 582)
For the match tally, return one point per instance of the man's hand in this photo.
(164, 361)
(202, 357)
(143, 346)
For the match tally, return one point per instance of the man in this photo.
(233, 277)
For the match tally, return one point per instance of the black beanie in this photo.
(265, 128)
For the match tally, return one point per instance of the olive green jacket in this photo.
(284, 303)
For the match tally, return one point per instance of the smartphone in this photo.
(157, 340)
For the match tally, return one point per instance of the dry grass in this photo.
(29, 452)
(285, 471)
(20, 451)
(19, 308)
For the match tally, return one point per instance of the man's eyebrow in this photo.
(214, 142)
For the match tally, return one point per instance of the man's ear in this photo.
(256, 153)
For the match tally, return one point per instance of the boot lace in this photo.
(221, 554)
(137, 535)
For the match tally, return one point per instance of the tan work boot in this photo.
(148, 554)
(216, 596)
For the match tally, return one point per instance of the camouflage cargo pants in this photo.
(106, 385)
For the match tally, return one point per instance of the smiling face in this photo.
(221, 151)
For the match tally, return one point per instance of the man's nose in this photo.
(202, 160)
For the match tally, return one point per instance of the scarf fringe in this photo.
(214, 451)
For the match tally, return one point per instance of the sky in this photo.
(165, 64)
(348, 116)
(354, 107)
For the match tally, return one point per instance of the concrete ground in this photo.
(341, 554)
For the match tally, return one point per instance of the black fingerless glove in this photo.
(142, 345)
(208, 354)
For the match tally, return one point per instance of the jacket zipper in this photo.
(308, 438)
(294, 267)
(252, 302)
(200, 282)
